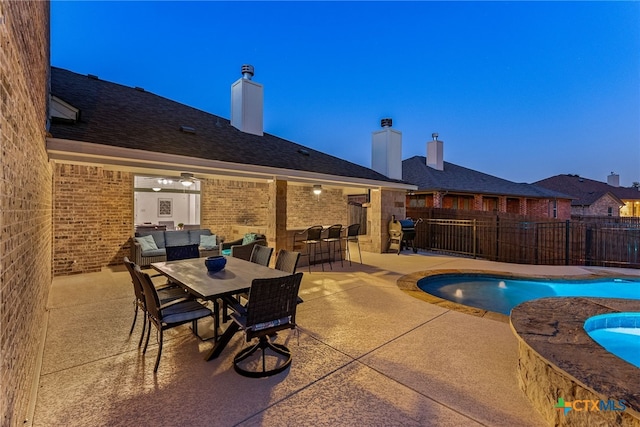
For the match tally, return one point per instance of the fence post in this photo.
(475, 236)
(566, 242)
(497, 257)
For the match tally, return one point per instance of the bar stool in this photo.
(333, 237)
(353, 231)
(313, 239)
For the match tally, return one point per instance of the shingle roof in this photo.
(586, 191)
(121, 116)
(460, 179)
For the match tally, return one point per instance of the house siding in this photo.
(25, 191)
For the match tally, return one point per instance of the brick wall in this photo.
(305, 209)
(92, 217)
(25, 199)
(226, 203)
(600, 207)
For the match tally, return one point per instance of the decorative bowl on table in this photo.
(215, 263)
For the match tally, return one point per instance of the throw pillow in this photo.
(248, 238)
(208, 242)
(147, 243)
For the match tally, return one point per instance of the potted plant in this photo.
(180, 226)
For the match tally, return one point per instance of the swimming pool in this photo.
(500, 294)
(618, 333)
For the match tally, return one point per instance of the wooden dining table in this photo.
(236, 277)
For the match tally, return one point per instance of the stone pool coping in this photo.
(557, 358)
(409, 284)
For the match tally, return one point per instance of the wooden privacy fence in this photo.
(510, 238)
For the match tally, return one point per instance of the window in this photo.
(609, 211)
(165, 199)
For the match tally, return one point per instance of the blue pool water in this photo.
(618, 333)
(500, 295)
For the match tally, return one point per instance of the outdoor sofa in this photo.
(149, 246)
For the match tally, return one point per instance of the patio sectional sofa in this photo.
(149, 246)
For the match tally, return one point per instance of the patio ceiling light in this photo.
(156, 189)
(317, 189)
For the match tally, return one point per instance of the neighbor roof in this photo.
(586, 191)
(120, 116)
(454, 178)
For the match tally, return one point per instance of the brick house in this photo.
(103, 136)
(72, 147)
(595, 198)
(447, 185)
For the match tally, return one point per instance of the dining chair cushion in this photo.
(147, 243)
(184, 311)
(208, 242)
(226, 252)
(177, 238)
(248, 238)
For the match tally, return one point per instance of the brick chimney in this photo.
(247, 103)
(435, 153)
(386, 150)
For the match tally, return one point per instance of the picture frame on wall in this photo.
(165, 207)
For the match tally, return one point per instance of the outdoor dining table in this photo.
(236, 277)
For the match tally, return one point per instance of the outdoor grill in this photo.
(402, 234)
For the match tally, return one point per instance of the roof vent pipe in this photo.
(247, 71)
(386, 123)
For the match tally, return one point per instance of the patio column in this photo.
(384, 204)
(277, 214)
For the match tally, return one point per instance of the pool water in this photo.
(618, 333)
(494, 293)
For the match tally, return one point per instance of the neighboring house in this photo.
(446, 185)
(595, 198)
(104, 136)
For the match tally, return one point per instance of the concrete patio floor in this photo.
(367, 354)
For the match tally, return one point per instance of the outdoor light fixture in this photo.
(156, 188)
(317, 189)
(164, 181)
(186, 182)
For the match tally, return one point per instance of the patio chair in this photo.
(261, 255)
(271, 308)
(334, 236)
(287, 261)
(166, 294)
(353, 231)
(168, 316)
(244, 251)
(312, 240)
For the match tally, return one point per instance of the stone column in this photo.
(384, 204)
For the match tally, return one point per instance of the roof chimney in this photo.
(435, 153)
(386, 150)
(247, 103)
(613, 180)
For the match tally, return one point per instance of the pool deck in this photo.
(368, 353)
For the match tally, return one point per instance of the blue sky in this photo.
(519, 90)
